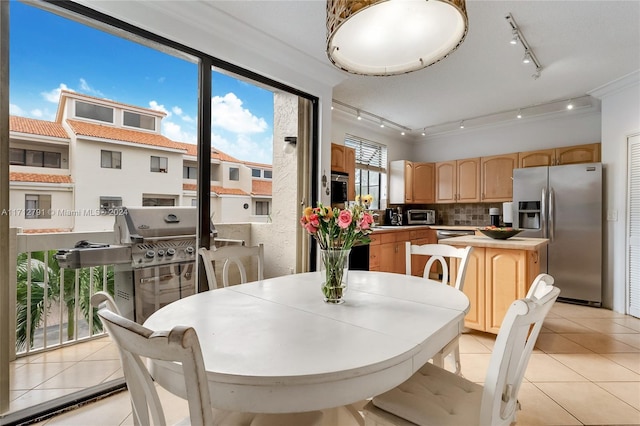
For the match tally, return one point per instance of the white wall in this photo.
(620, 119)
(398, 147)
(572, 128)
(61, 199)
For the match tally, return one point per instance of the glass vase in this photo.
(335, 267)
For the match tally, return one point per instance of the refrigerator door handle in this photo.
(552, 196)
(543, 213)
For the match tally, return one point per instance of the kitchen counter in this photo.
(515, 243)
(455, 227)
(387, 228)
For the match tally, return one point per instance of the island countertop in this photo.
(515, 243)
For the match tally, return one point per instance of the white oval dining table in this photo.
(274, 346)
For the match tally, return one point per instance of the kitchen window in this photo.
(110, 159)
(159, 164)
(37, 206)
(371, 169)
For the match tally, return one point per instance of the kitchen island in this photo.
(498, 272)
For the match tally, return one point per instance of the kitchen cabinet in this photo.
(496, 173)
(411, 183)
(589, 153)
(458, 181)
(496, 276)
(387, 251)
(343, 160)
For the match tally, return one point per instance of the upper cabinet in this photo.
(589, 153)
(458, 181)
(411, 183)
(343, 159)
(497, 177)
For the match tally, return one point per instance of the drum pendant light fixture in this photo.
(389, 37)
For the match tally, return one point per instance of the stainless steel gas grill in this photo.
(154, 257)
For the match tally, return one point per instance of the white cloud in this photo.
(177, 110)
(174, 132)
(54, 94)
(227, 113)
(16, 110)
(37, 113)
(245, 148)
(154, 105)
(84, 86)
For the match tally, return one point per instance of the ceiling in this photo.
(581, 45)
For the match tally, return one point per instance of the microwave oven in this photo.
(339, 188)
(421, 217)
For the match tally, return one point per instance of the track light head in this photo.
(527, 57)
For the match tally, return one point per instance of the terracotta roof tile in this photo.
(36, 127)
(39, 177)
(215, 153)
(215, 189)
(261, 187)
(260, 165)
(81, 128)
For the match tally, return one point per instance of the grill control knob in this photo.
(150, 254)
(171, 252)
(189, 250)
(160, 253)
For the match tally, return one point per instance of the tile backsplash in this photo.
(473, 214)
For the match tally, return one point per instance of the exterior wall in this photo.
(61, 198)
(230, 209)
(130, 182)
(620, 119)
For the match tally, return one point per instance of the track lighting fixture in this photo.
(368, 116)
(402, 133)
(529, 56)
(359, 116)
(381, 124)
(462, 124)
(519, 114)
(424, 132)
(570, 105)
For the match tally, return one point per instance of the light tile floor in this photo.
(585, 370)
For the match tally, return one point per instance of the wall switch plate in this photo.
(612, 215)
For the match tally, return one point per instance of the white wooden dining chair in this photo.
(232, 254)
(443, 254)
(181, 345)
(434, 396)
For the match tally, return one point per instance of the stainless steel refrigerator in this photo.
(564, 204)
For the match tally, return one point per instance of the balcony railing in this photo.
(51, 303)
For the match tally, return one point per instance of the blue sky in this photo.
(49, 53)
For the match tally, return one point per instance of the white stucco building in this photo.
(98, 155)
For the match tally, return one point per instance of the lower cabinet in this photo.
(495, 278)
(418, 238)
(387, 251)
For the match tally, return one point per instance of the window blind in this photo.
(369, 155)
(634, 227)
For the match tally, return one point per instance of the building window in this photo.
(189, 172)
(159, 164)
(110, 205)
(371, 169)
(28, 157)
(158, 201)
(234, 173)
(110, 159)
(256, 172)
(268, 174)
(37, 206)
(139, 121)
(94, 112)
(262, 208)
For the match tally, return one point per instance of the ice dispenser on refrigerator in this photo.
(529, 214)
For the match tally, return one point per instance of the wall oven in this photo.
(339, 188)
